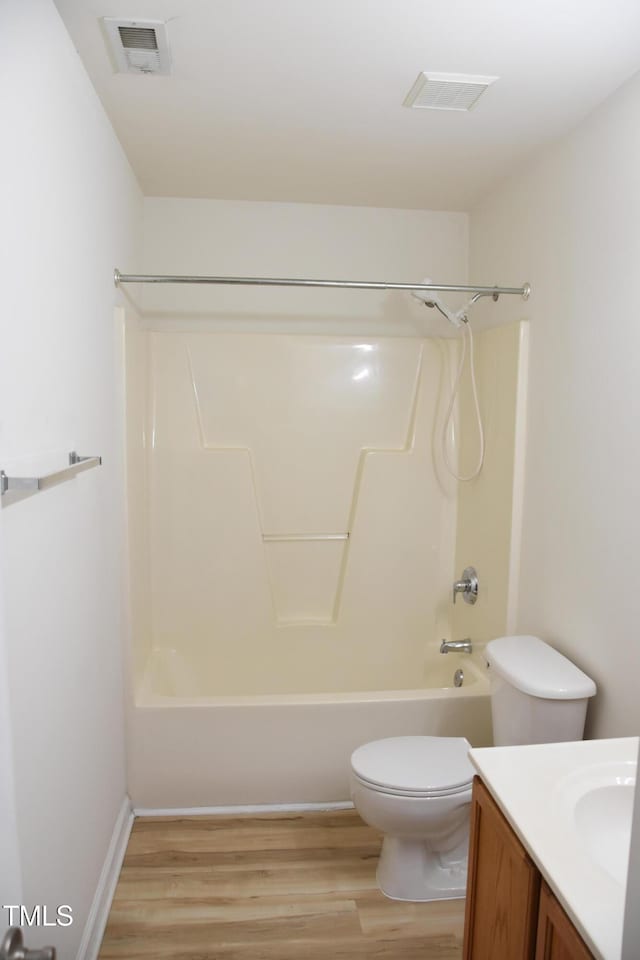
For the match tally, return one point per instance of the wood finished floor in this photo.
(286, 887)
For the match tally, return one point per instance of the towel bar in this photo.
(31, 484)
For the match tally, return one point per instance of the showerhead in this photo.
(431, 299)
(428, 299)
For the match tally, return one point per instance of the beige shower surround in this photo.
(259, 666)
(250, 435)
(247, 437)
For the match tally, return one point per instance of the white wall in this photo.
(71, 212)
(10, 873)
(244, 238)
(569, 224)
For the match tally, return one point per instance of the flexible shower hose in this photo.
(467, 334)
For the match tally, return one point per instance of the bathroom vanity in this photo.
(547, 861)
(511, 914)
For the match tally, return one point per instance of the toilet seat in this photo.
(415, 794)
(415, 766)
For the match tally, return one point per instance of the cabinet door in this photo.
(503, 887)
(558, 939)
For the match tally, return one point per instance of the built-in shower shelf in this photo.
(302, 537)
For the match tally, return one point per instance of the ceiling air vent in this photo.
(447, 91)
(138, 46)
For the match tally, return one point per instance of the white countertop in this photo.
(525, 781)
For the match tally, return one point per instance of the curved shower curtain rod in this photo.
(478, 292)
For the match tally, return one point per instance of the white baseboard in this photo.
(240, 809)
(99, 912)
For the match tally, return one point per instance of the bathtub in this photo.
(201, 752)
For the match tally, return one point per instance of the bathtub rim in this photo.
(145, 698)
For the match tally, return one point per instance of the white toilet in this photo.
(417, 790)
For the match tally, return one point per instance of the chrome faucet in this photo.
(456, 646)
(467, 586)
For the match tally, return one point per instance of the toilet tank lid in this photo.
(533, 667)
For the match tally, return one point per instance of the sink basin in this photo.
(603, 820)
(598, 800)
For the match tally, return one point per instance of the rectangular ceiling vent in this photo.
(447, 91)
(138, 46)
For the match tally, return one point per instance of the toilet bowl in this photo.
(417, 792)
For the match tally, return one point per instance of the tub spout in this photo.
(458, 646)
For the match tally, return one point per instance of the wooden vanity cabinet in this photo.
(557, 938)
(503, 888)
(510, 912)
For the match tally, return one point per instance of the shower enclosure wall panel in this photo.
(489, 509)
(299, 538)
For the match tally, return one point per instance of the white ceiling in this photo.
(301, 100)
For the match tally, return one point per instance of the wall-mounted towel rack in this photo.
(31, 484)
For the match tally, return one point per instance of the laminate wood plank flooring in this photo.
(283, 887)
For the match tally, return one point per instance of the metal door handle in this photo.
(12, 948)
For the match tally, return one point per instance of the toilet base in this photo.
(409, 869)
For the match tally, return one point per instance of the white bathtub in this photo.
(188, 751)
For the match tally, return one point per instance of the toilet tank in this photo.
(537, 695)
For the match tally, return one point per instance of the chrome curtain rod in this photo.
(494, 292)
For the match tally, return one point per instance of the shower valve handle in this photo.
(468, 586)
